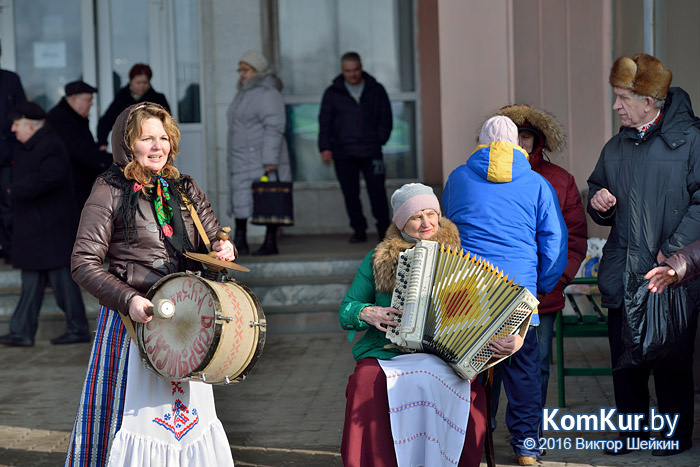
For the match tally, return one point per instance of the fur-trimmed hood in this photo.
(386, 255)
(524, 115)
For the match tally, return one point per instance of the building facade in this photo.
(446, 64)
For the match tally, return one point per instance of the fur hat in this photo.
(255, 59)
(411, 198)
(498, 128)
(539, 122)
(642, 74)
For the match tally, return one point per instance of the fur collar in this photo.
(386, 255)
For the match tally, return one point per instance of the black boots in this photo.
(239, 238)
(269, 246)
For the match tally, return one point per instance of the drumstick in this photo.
(222, 235)
(164, 310)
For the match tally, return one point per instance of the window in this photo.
(130, 38)
(312, 36)
(187, 46)
(49, 51)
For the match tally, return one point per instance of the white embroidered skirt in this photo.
(168, 423)
(428, 408)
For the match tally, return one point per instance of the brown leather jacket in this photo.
(686, 263)
(135, 267)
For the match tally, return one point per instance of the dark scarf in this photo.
(177, 241)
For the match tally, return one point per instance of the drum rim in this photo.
(261, 332)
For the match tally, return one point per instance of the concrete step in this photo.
(294, 269)
(296, 296)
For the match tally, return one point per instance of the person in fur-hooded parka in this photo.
(539, 131)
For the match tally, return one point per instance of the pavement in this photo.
(288, 412)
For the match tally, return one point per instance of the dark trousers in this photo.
(5, 212)
(674, 388)
(521, 380)
(68, 297)
(372, 169)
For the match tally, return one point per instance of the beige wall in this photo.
(552, 54)
(475, 71)
(562, 59)
(427, 48)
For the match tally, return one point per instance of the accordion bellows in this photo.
(454, 304)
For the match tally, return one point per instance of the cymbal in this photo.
(215, 263)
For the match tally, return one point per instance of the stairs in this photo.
(300, 296)
(300, 292)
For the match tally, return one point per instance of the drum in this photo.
(215, 334)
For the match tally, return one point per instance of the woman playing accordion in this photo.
(407, 409)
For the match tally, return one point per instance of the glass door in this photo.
(50, 43)
(138, 31)
(47, 49)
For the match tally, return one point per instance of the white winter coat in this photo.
(256, 124)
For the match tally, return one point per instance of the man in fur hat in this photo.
(645, 186)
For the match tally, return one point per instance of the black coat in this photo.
(121, 101)
(11, 94)
(45, 214)
(657, 185)
(87, 161)
(352, 129)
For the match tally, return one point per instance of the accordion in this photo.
(453, 305)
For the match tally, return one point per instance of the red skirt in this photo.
(367, 440)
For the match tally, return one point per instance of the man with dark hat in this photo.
(69, 118)
(45, 224)
(646, 187)
(11, 93)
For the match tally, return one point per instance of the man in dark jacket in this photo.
(354, 123)
(646, 187)
(69, 119)
(45, 224)
(11, 94)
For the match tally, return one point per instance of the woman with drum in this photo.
(446, 420)
(137, 220)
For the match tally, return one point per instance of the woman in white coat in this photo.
(256, 144)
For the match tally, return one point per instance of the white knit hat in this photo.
(498, 128)
(411, 198)
(255, 59)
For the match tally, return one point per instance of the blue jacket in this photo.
(509, 215)
(352, 129)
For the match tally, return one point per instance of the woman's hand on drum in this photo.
(378, 316)
(506, 347)
(137, 309)
(225, 251)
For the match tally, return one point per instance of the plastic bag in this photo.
(594, 251)
(658, 328)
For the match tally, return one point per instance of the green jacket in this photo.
(374, 285)
(363, 293)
